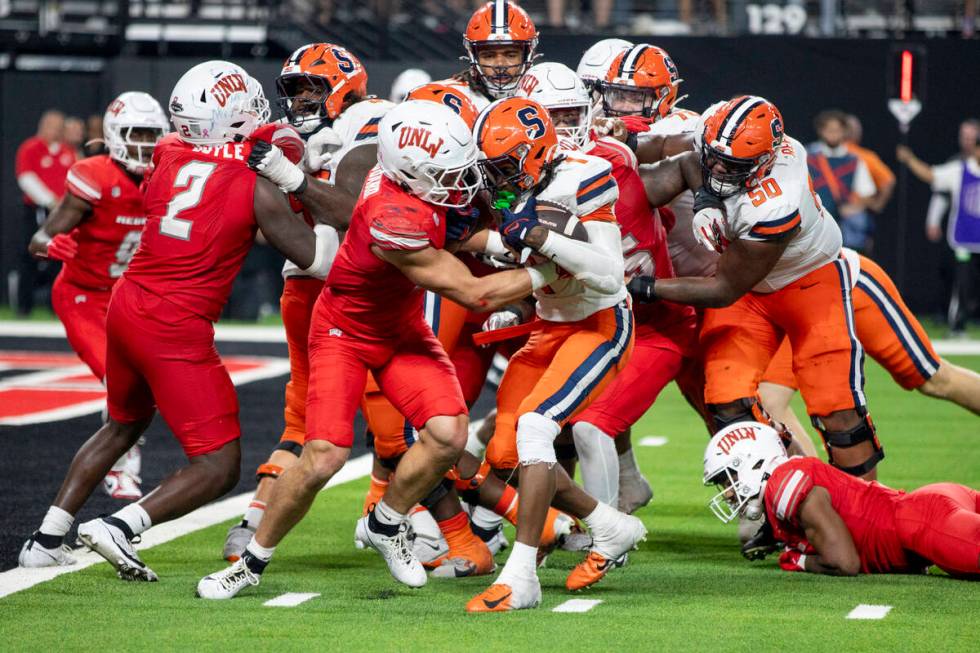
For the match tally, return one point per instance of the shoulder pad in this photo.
(87, 178)
(582, 183)
(619, 154)
(360, 121)
(677, 123)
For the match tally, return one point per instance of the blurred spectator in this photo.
(407, 80)
(94, 138)
(842, 180)
(42, 163)
(75, 136)
(960, 179)
(602, 9)
(720, 7)
(881, 174)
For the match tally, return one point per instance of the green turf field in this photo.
(687, 588)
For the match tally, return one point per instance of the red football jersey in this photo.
(645, 250)
(108, 237)
(867, 508)
(364, 296)
(49, 162)
(200, 224)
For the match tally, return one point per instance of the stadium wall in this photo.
(802, 76)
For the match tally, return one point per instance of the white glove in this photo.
(269, 161)
(502, 319)
(710, 227)
(320, 149)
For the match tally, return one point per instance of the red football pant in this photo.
(161, 353)
(83, 313)
(941, 523)
(633, 391)
(413, 372)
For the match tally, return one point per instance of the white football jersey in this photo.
(356, 126)
(690, 259)
(582, 185)
(778, 204)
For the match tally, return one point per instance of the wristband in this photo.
(495, 245)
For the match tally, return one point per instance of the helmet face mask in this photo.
(302, 99)
(139, 142)
(500, 65)
(500, 42)
(738, 461)
(738, 175)
(572, 122)
(621, 100)
(132, 126)
(506, 173)
(317, 83)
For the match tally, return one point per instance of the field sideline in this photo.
(687, 588)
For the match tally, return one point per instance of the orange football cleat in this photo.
(515, 594)
(591, 570)
(495, 598)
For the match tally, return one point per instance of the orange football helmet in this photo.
(317, 83)
(517, 143)
(642, 80)
(738, 141)
(449, 95)
(498, 23)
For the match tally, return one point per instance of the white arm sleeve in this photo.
(598, 263)
(34, 188)
(947, 176)
(327, 244)
(938, 204)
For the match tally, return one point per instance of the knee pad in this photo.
(536, 439)
(267, 470)
(436, 494)
(864, 432)
(748, 409)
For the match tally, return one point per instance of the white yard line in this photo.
(225, 333)
(18, 579)
(653, 441)
(865, 611)
(576, 605)
(291, 599)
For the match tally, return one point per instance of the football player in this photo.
(780, 257)
(833, 523)
(582, 340)
(665, 332)
(369, 318)
(322, 92)
(204, 205)
(94, 231)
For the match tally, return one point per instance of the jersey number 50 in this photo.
(194, 176)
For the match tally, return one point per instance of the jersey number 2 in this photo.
(194, 176)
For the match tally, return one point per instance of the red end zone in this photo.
(49, 386)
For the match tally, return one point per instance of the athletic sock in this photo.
(135, 518)
(253, 515)
(522, 563)
(473, 443)
(256, 556)
(53, 528)
(627, 463)
(506, 506)
(458, 535)
(383, 519)
(375, 491)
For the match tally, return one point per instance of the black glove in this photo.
(460, 222)
(705, 199)
(642, 290)
(761, 544)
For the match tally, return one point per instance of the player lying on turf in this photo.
(204, 205)
(665, 331)
(94, 231)
(581, 341)
(369, 319)
(833, 523)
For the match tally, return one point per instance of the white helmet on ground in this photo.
(558, 89)
(739, 460)
(408, 79)
(595, 62)
(216, 102)
(132, 125)
(430, 150)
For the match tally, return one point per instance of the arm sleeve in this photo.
(938, 205)
(598, 263)
(947, 177)
(34, 188)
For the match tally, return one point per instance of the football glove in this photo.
(269, 161)
(709, 220)
(641, 289)
(502, 319)
(792, 560)
(62, 247)
(320, 149)
(516, 225)
(460, 222)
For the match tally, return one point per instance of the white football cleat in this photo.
(634, 492)
(396, 550)
(33, 555)
(110, 542)
(235, 542)
(427, 540)
(228, 582)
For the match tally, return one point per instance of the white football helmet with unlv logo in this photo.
(216, 102)
(132, 125)
(429, 150)
(739, 460)
(558, 89)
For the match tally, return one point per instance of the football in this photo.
(559, 219)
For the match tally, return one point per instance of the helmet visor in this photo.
(453, 187)
(621, 100)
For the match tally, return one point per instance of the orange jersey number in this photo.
(768, 189)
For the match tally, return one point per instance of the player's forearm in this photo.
(329, 205)
(38, 246)
(494, 291)
(704, 292)
(816, 564)
(590, 263)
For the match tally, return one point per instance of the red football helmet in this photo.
(317, 83)
(738, 141)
